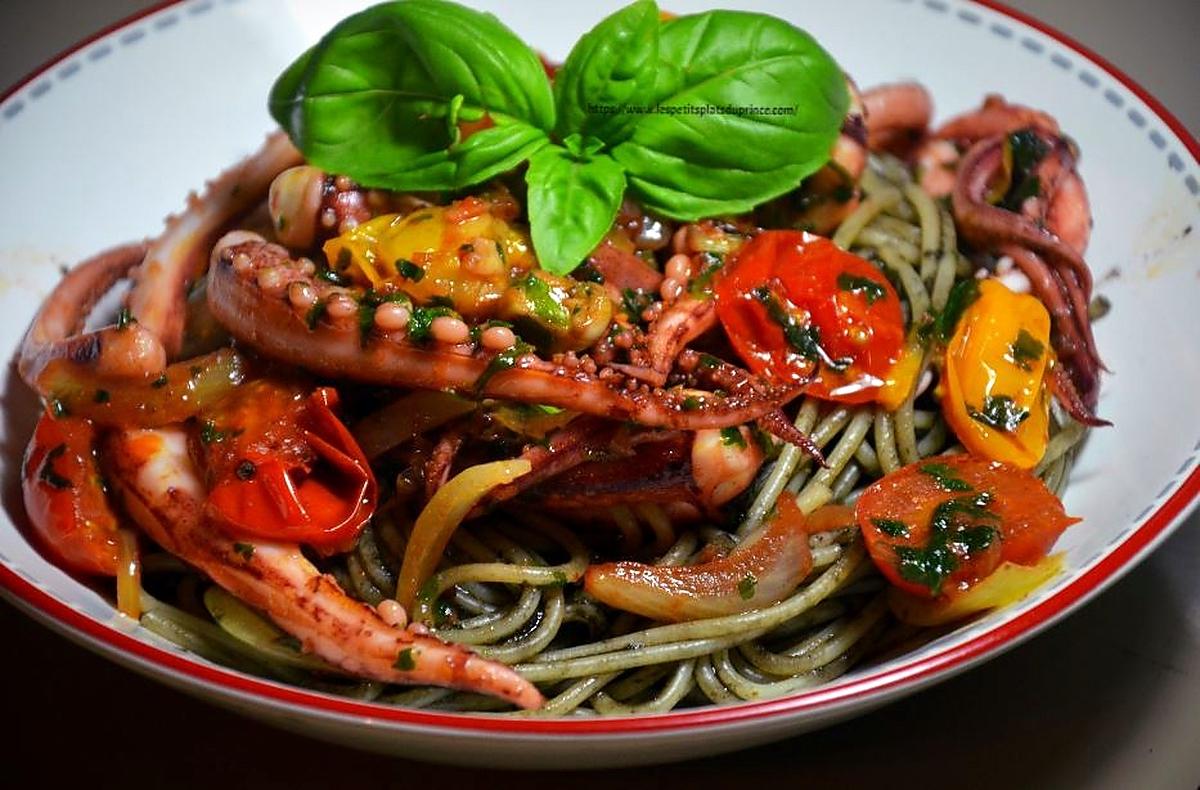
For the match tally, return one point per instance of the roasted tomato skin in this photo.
(937, 527)
(283, 467)
(64, 496)
(798, 308)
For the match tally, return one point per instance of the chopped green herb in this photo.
(410, 270)
(421, 320)
(954, 533)
(314, 314)
(331, 276)
(245, 550)
(102, 396)
(505, 360)
(701, 285)
(961, 297)
(245, 470)
(1027, 149)
(863, 286)
(544, 302)
(709, 362)
(691, 403)
(804, 338)
(635, 302)
(125, 318)
(406, 662)
(560, 578)
(50, 477)
(58, 408)
(1000, 412)
(732, 437)
(1026, 350)
(945, 477)
(891, 527)
(747, 586)
(159, 382)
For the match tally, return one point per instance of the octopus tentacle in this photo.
(56, 329)
(897, 115)
(162, 271)
(179, 255)
(156, 478)
(266, 300)
(1056, 269)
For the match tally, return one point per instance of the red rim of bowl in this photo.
(895, 679)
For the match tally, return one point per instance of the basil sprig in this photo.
(639, 105)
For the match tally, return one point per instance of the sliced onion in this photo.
(755, 574)
(442, 515)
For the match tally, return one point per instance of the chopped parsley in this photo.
(125, 318)
(102, 396)
(1025, 148)
(505, 360)
(421, 320)
(315, 314)
(409, 270)
(635, 302)
(891, 527)
(701, 285)
(58, 408)
(245, 470)
(863, 286)
(47, 474)
(1000, 412)
(1026, 350)
(405, 661)
(333, 277)
(732, 437)
(747, 586)
(159, 382)
(961, 297)
(955, 533)
(945, 477)
(691, 403)
(804, 338)
(244, 550)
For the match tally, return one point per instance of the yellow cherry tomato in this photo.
(1006, 585)
(464, 253)
(902, 378)
(993, 385)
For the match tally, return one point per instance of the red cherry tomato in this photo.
(285, 468)
(64, 496)
(796, 306)
(936, 527)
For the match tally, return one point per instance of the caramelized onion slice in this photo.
(754, 575)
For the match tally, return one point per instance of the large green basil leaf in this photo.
(379, 96)
(573, 202)
(689, 165)
(612, 66)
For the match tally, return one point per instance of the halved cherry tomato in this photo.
(285, 468)
(940, 525)
(64, 495)
(994, 381)
(794, 305)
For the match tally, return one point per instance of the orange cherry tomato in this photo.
(64, 496)
(798, 308)
(285, 468)
(940, 525)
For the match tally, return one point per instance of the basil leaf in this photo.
(377, 99)
(687, 165)
(572, 204)
(612, 65)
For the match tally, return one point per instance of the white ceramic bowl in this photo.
(106, 141)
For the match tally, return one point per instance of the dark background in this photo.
(1109, 698)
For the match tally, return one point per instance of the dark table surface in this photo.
(1109, 698)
